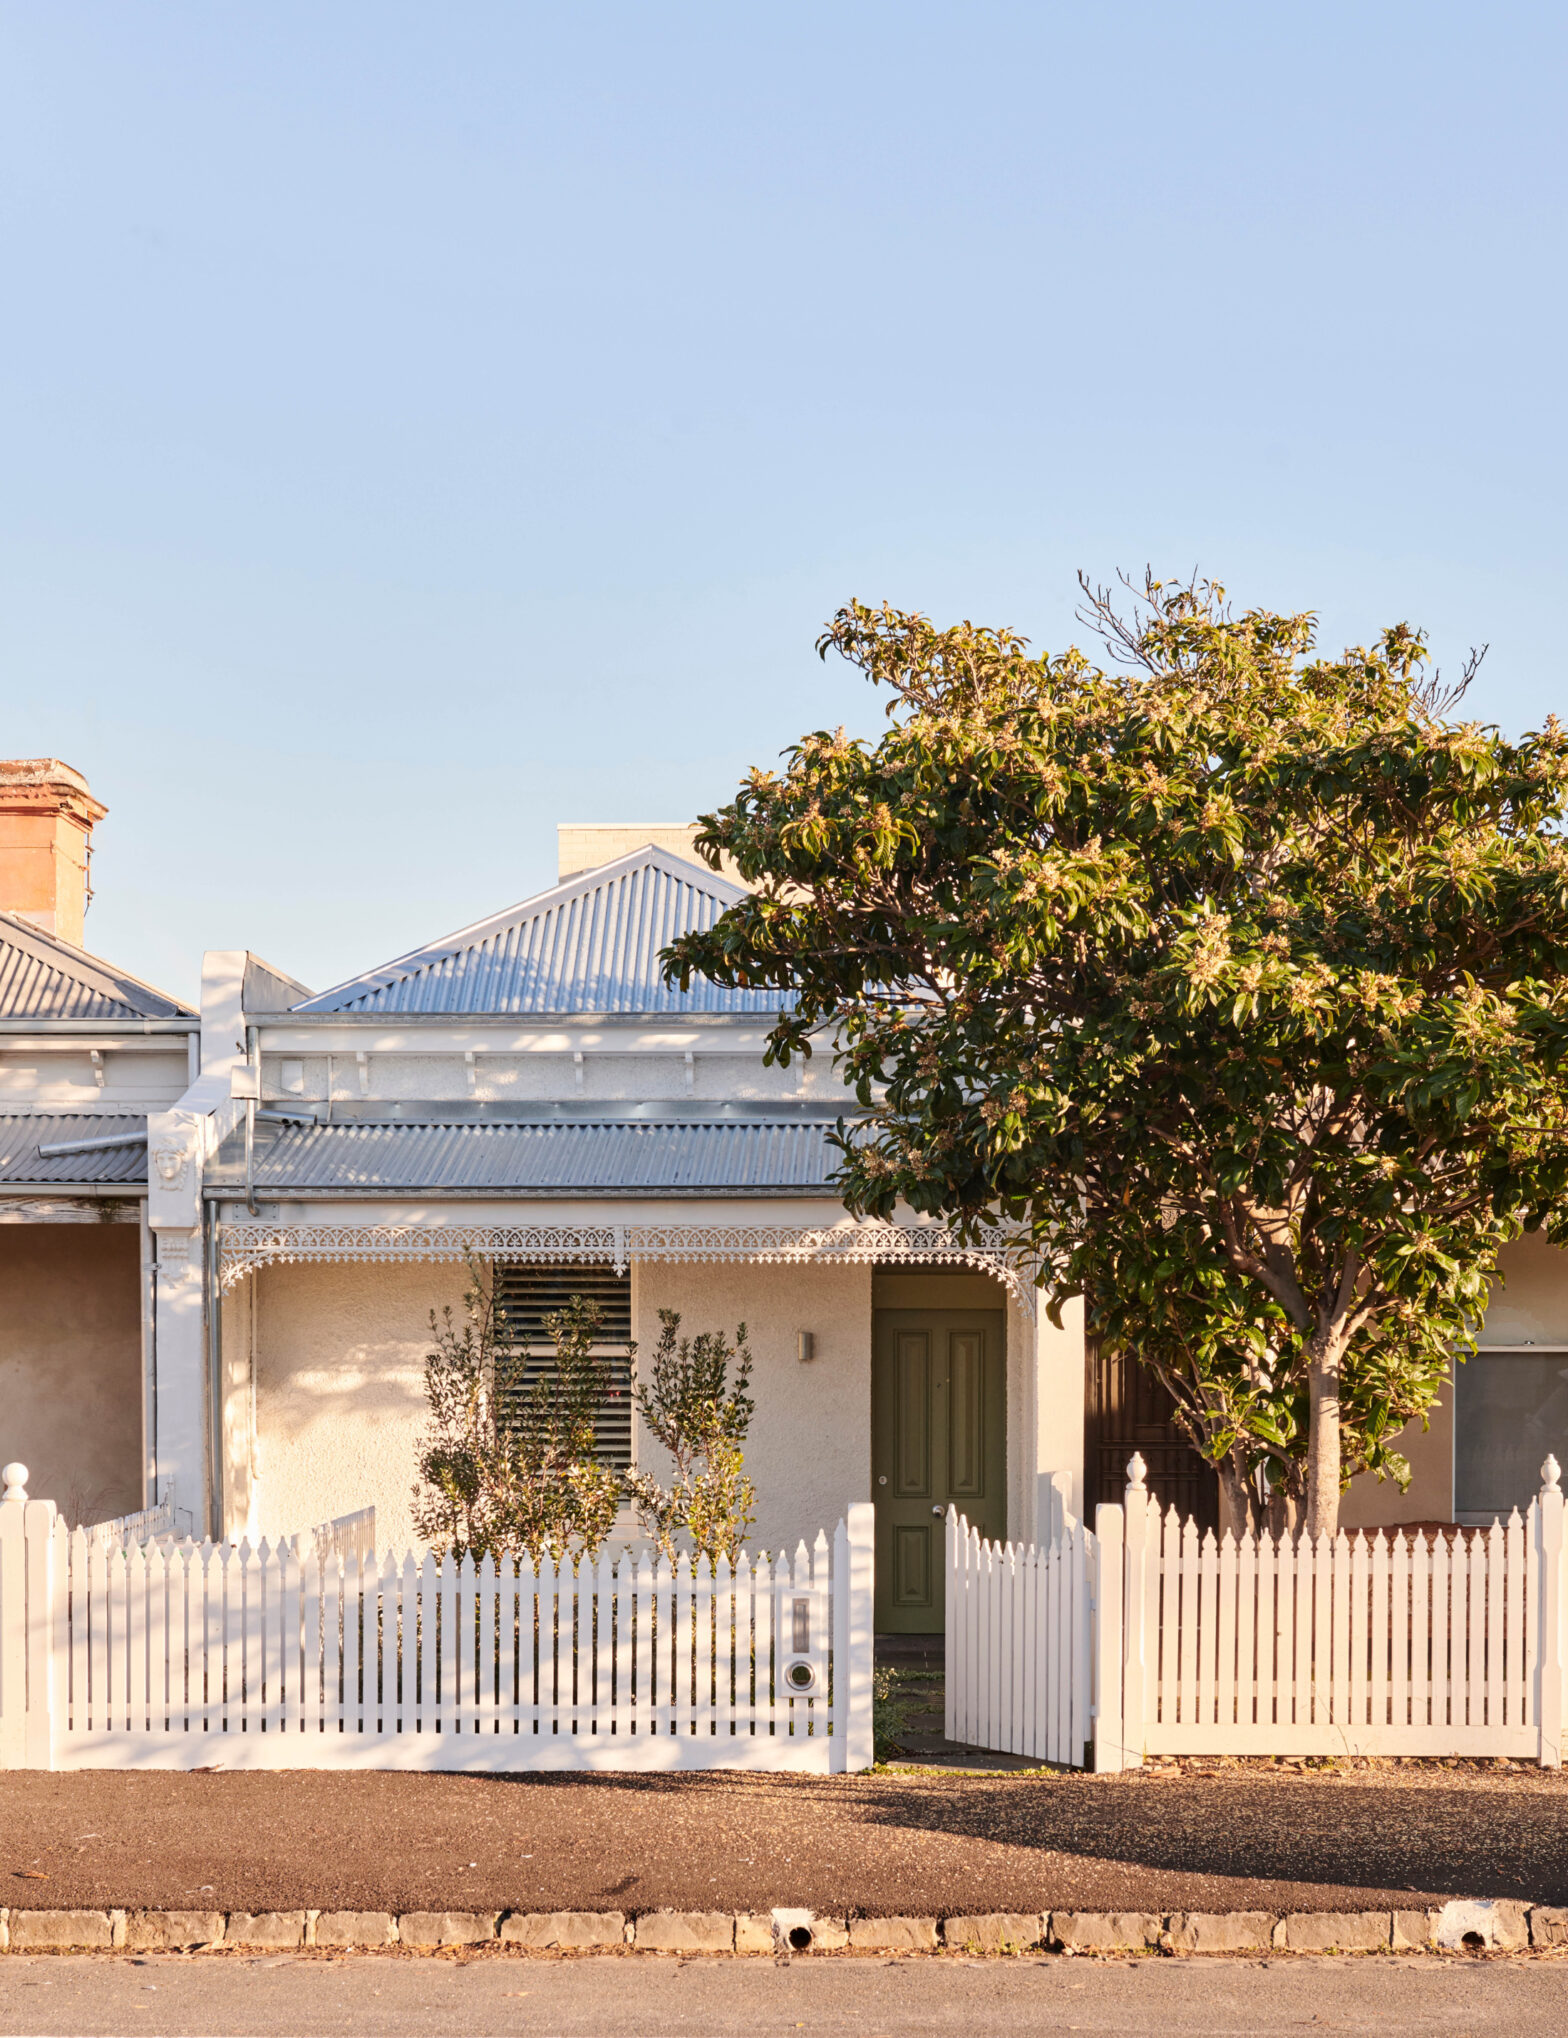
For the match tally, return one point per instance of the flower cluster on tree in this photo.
(1232, 977)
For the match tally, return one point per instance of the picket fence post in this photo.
(854, 1583)
(1107, 1638)
(1549, 1615)
(1139, 1644)
(13, 1620)
(27, 1680)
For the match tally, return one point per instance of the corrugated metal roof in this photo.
(42, 978)
(590, 945)
(21, 1162)
(575, 1157)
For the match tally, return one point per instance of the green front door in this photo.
(939, 1434)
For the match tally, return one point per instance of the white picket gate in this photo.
(187, 1655)
(1019, 1642)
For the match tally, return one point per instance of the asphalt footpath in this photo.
(882, 1844)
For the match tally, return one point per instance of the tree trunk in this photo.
(1323, 1452)
(1238, 1501)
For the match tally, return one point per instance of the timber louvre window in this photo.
(529, 1291)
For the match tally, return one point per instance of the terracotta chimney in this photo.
(46, 824)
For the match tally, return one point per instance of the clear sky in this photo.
(424, 424)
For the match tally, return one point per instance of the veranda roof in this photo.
(573, 1157)
(110, 1147)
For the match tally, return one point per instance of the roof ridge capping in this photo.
(589, 943)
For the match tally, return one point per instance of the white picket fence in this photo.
(187, 1655)
(1364, 1644)
(1019, 1642)
(144, 1526)
(1184, 1643)
(346, 1535)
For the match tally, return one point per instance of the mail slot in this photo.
(802, 1642)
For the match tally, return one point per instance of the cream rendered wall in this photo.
(1530, 1303)
(1430, 1496)
(340, 1387)
(71, 1364)
(134, 1079)
(809, 1452)
(340, 1400)
(1528, 1306)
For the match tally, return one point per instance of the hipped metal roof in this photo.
(44, 978)
(23, 1165)
(589, 945)
(581, 1157)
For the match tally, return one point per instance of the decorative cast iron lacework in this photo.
(529, 1291)
(246, 1245)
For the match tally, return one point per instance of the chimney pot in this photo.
(47, 815)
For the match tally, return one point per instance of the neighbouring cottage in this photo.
(528, 1092)
(86, 1052)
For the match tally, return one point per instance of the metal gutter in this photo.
(275, 1192)
(11, 1024)
(548, 1111)
(520, 1022)
(124, 1192)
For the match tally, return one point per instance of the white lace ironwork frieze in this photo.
(243, 1246)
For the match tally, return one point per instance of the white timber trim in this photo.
(245, 1245)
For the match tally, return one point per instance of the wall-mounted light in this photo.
(805, 1346)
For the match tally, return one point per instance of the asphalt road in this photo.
(644, 1998)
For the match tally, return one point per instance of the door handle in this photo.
(938, 1512)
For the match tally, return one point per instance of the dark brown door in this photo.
(1127, 1410)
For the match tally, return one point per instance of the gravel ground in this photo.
(1238, 1837)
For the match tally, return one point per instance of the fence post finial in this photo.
(1551, 1474)
(15, 1477)
(1137, 1471)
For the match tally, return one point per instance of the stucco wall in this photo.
(340, 1400)
(1528, 1306)
(340, 1396)
(71, 1365)
(1430, 1496)
(809, 1452)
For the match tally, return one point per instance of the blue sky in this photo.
(425, 424)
